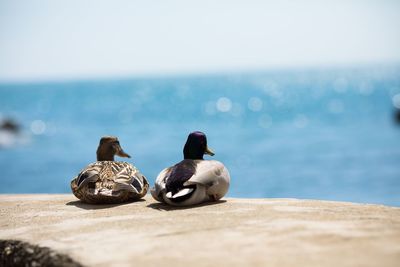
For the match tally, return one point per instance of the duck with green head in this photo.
(109, 181)
(193, 180)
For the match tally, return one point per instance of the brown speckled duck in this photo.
(108, 181)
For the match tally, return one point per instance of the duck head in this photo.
(196, 146)
(109, 147)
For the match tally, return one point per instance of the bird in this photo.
(193, 180)
(10, 133)
(107, 181)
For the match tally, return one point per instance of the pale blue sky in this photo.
(77, 39)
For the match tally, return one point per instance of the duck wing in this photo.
(178, 175)
(128, 178)
(118, 180)
(207, 173)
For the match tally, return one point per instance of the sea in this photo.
(328, 134)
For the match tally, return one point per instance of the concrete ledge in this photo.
(233, 232)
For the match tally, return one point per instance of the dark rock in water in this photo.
(397, 116)
(17, 253)
(9, 125)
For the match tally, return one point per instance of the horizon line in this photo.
(197, 73)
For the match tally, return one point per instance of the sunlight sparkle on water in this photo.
(224, 104)
(38, 127)
(396, 101)
(255, 104)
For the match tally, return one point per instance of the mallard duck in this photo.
(193, 180)
(109, 181)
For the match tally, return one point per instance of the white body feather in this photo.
(211, 179)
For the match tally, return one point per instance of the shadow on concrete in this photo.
(86, 206)
(166, 207)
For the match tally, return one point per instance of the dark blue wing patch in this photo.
(82, 177)
(136, 184)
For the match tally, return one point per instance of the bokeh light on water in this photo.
(224, 104)
(396, 100)
(38, 127)
(302, 134)
(255, 104)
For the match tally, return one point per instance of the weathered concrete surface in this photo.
(235, 232)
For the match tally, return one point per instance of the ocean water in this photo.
(315, 134)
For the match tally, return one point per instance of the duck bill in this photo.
(209, 152)
(122, 153)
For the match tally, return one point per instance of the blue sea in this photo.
(316, 134)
